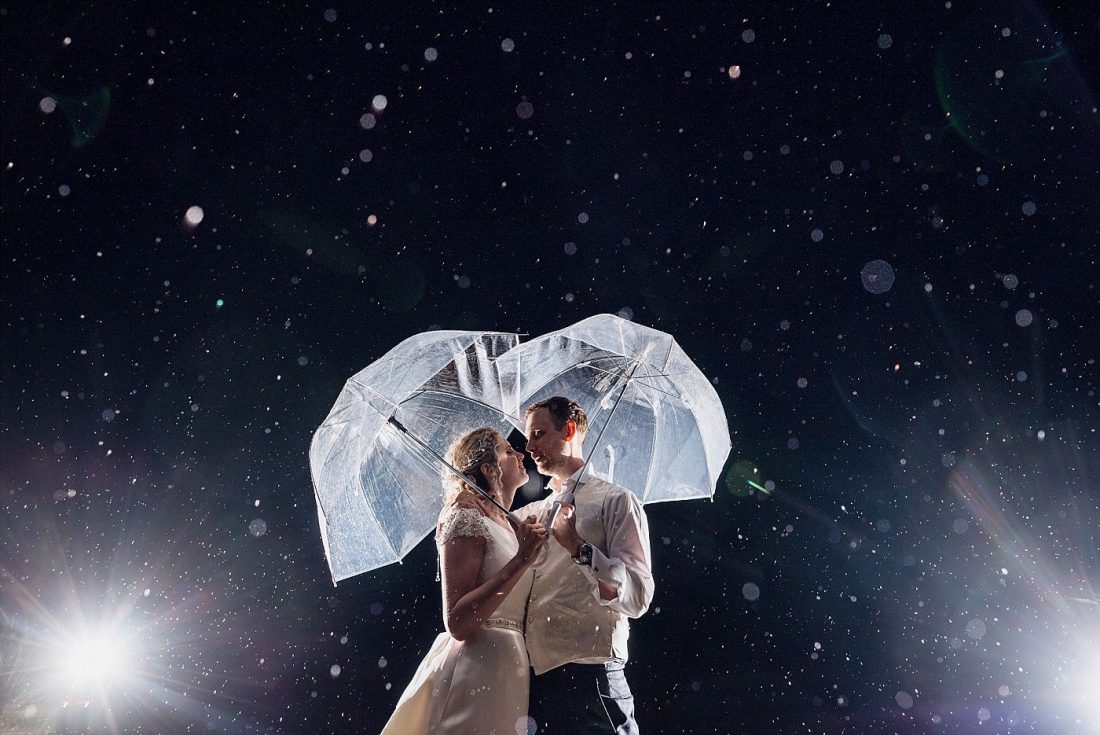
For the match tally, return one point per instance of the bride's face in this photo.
(512, 472)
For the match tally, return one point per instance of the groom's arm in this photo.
(626, 569)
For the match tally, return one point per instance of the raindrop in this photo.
(1024, 317)
(877, 276)
(258, 527)
(750, 591)
(507, 45)
(430, 54)
(817, 235)
(525, 110)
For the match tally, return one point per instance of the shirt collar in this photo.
(571, 481)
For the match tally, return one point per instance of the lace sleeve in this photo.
(462, 522)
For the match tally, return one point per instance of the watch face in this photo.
(584, 554)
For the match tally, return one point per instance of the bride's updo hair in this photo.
(472, 450)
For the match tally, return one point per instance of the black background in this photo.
(927, 560)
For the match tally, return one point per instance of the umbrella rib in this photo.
(652, 455)
(393, 550)
(422, 391)
(636, 377)
(613, 356)
(706, 457)
(367, 388)
(322, 463)
(668, 356)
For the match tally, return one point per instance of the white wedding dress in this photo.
(478, 686)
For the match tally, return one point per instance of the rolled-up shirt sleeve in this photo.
(627, 564)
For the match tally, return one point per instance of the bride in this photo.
(475, 677)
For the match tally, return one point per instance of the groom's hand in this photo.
(565, 529)
(565, 532)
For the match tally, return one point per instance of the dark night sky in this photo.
(927, 561)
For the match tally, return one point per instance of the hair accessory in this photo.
(485, 445)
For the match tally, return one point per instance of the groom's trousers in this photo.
(583, 699)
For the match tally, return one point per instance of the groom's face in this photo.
(545, 442)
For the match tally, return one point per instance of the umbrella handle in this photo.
(555, 509)
(552, 516)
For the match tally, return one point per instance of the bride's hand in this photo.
(531, 535)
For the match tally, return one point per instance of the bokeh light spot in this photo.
(877, 276)
(193, 216)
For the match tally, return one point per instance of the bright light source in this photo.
(1082, 687)
(94, 658)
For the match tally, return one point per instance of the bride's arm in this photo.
(466, 604)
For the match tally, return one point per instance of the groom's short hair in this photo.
(561, 410)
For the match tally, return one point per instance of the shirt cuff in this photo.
(600, 571)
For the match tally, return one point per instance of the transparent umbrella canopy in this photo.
(379, 489)
(656, 425)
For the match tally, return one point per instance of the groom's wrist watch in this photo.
(583, 557)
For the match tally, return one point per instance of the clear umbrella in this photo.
(656, 425)
(377, 460)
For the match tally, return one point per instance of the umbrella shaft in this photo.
(469, 483)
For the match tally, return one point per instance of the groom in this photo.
(587, 585)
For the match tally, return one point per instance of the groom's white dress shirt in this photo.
(567, 620)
